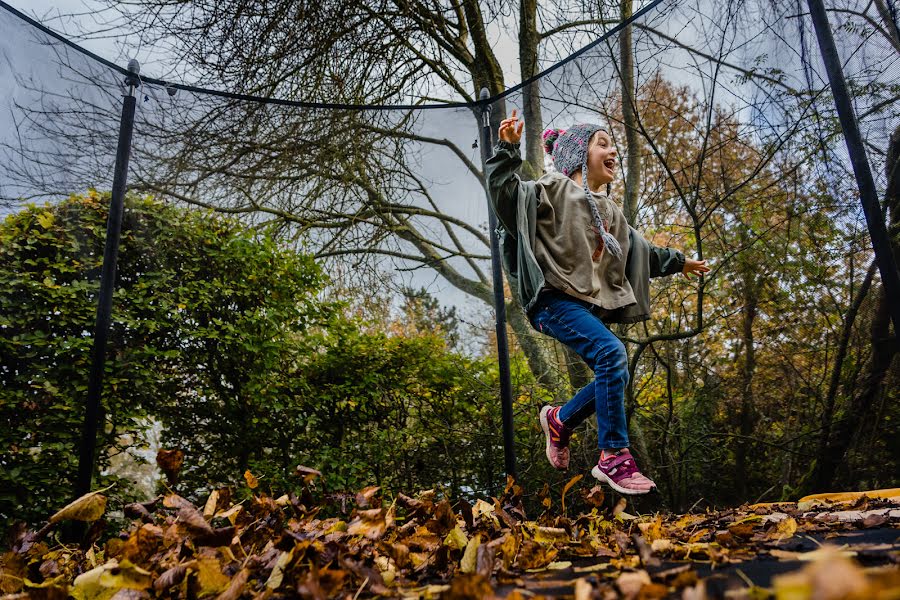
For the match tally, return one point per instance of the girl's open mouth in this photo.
(610, 164)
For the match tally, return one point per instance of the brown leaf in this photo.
(544, 495)
(366, 497)
(236, 588)
(136, 510)
(143, 543)
(644, 551)
(220, 536)
(484, 565)
(194, 521)
(170, 462)
(468, 515)
(742, 530)
(874, 520)
(595, 496)
(533, 555)
(371, 523)
(172, 577)
(252, 482)
(307, 474)
(631, 584)
(176, 501)
(89, 507)
(468, 586)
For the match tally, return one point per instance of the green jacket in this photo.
(515, 203)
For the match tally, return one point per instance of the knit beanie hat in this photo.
(569, 150)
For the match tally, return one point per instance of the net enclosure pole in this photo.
(887, 262)
(107, 285)
(499, 303)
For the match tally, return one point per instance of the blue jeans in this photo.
(574, 323)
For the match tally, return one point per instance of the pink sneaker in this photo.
(557, 436)
(620, 471)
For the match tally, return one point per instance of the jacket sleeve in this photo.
(665, 261)
(503, 183)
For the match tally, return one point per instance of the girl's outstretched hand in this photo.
(511, 129)
(695, 267)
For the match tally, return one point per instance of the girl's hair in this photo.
(549, 138)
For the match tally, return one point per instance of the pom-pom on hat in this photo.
(569, 150)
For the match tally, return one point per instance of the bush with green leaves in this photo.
(205, 313)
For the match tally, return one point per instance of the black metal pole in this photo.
(499, 303)
(887, 262)
(107, 286)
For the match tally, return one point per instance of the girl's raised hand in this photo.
(511, 129)
(694, 267)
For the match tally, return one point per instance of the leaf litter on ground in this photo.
(423, 546)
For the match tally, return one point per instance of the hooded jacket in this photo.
(515, 203)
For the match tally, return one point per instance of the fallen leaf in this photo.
(236, 587)
(595, 496)
(210, 577)
(103, 582)
(89, 507)
(468, 586)
(277, 576)
(786, 528)
(456, 539)
(170, 462)
(831, 577)
(567, 487)
(194, 521)
(307, 474)
(252, 482)
(365, 497)
(549, 535)
(209, 509)
(630, 584)
(172, 577)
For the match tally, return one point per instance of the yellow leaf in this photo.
(89, 507)
(210, 508)
(786, 528)
(45, 219)
(568, 486)
(549, 535)
(808, 502)
(456, 539)
(470, 556)
(231, 514)
(210, 576)
(252, 482)
(277, 576)
(106, 580)
(482, 508)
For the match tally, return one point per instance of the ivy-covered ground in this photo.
(824, 547)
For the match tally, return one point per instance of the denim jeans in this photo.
(575, 323)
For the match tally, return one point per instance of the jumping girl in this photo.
(576, 266)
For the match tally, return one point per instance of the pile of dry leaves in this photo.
(424, 546)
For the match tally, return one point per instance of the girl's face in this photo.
(601, 160)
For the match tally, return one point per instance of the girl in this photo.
(576, 265)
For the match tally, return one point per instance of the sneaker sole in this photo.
(604, 478)
(546, 428)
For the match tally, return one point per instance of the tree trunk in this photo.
(629, 116)
(747, 413)
(884, 347)
(529, 38)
